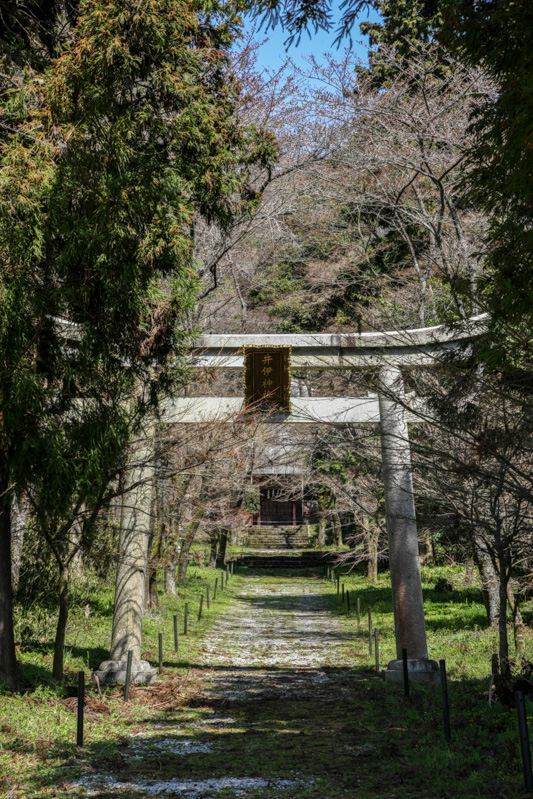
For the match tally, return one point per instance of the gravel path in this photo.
(279, 669)
(279, 623)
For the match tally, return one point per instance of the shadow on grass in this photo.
(456, 623)
(92, 656)
(460, 609)
(326, 732)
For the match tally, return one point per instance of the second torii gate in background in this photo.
(387, 353)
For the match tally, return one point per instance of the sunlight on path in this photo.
(282, 622)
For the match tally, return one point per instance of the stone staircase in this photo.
(278, 538)
(287, 560)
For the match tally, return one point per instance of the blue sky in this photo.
(273, 52)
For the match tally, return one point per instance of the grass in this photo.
(354, 736)
(38, 726)
(456, 624)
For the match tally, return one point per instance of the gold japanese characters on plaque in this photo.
(267, 377)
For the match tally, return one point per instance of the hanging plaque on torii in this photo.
(267, 377)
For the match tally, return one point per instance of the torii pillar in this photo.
(131, 570)
(408, 603)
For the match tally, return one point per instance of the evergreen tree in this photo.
(497, 35)
(110, 151)
(402, 21)
(404, 24)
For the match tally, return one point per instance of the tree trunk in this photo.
(519, 630)
(513, 603)
(502, 620)
(151, 594)
(425, 548)
(8, 661)
(213, 550)
(183, 560)
(76, 533)
(170, 545)
(19, 519)
(151, 598)
(61, 629)
(149, 569)
(371, 539)
(469, 571)
(489, 581)
(372, 555)
(321, 529)
(337, 528)
(170, 577)
(221, 557)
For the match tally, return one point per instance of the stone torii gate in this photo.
(388, 353)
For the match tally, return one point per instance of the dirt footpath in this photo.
(277, 623)
(278, 716)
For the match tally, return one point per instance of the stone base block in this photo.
(423, 670)
(113, 672)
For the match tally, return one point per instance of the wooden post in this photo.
(445, 704)
(128, 676)
(200, 609)
(524, 741)
(405, 672)
(81, 702)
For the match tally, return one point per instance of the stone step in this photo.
(281, 537)
(260, 543)
(281, 542)
(270, 537)
(278, 543)
(298, 560)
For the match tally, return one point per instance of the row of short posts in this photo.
(229, 570)
(344, 596)
(373, 649)
(373, 644)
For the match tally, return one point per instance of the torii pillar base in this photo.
(423, 670)
(113, 672)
